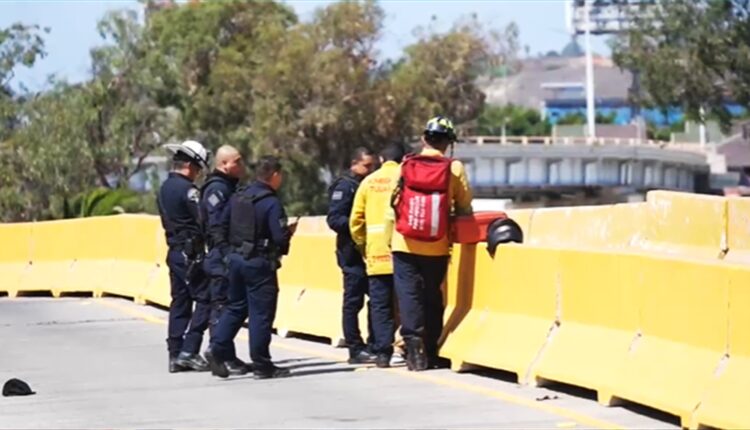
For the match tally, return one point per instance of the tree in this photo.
(691, 53)
(20, 45)
(580, 119)
(123, 122)
(518, 120)
(247, 74)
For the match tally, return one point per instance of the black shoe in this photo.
(436, 362)
(192, 361)
(416, 359)
(237, 367)
(383, 361)
(174, 367)
(249, 366)
(218, 368)
(271, 372)
(362, 357)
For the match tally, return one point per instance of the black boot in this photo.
(416, 359)
(238, 367)
(383, 361)
(361, 357)
(271, 372)
(192, 361)
(174, 367)
(218, 368)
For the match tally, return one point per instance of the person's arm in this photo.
(339, 207)
(462, 195)
(215, 200)
(193, 201)
(220, 232)
(281, 235)
(357, 221)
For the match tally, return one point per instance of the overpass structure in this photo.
(508, 167)
(630, 304)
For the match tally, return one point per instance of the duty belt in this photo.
(263, 248)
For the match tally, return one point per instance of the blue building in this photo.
(555, 109)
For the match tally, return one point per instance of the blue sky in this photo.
(73, 26)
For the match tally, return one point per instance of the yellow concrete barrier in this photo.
(93, 255)
(688, 225)
(725, 403)
(512, 310)
(136, 239)
(51, 257)
(585, 226)
(157, 291)
(683, 334)
(523, 218)
(459, 283)
(590, 227)
(311, 284)
(15, 255)
(598, 317)
(738, 230)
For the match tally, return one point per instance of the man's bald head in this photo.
(229, 161)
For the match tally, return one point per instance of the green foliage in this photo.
(693, 54)
(245, 73)
(519, 121)
(664, 133)
(580, 119)
(100, 202)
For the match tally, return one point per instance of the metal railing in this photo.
(580, 141)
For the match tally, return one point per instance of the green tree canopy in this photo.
(244, 73)
(691, 53)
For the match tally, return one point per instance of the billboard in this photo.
(606, 16)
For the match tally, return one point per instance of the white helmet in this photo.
(194, 150)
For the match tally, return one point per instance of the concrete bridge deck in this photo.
(102, 363)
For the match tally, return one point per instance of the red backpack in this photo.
(421, 201)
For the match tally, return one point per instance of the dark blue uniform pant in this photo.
(356, 287)
(253, 292)
(417, 280)
(186, 325)
(381, 313)
(218, 286)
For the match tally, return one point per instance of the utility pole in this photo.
(590, 107)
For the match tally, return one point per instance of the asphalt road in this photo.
(103, 363)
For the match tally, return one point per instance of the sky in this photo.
(73, 27)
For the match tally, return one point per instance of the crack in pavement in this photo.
(77, 322)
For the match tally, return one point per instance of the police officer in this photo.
(215, 193)
(341, 197)
(258, 236)
(180, 216)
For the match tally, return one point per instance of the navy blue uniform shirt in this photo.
(215, 194)
(178, 206)
(341, 199)
(270, 218)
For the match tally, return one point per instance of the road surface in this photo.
(103, 363)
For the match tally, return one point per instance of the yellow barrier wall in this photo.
(687, 225)
(137, 238)
(512, 323)
(738, 230)
(93, 254)
(598, 316)
(51, 256)
(683, 323)
(15, 255)
(725, 404)
(311, 285)
(632, 301)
